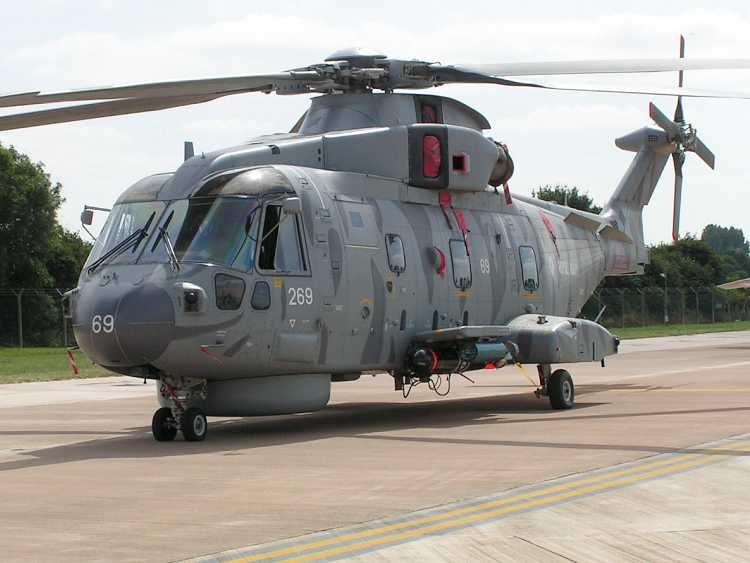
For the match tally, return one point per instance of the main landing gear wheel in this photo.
(163, 425)
(561, 390)
(194, 425)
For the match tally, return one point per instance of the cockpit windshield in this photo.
(212, 230)
(124, 220)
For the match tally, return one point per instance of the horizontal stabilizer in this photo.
(582, 221)
(609, 232)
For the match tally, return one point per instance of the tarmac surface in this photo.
(653, 463)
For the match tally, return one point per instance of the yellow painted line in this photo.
(459, 522)
(702, 390)
(670, 461)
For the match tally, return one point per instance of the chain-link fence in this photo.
(36, 317)
(615, 307)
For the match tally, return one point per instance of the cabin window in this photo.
(396, 256)
(281, 243)
(461, 264)
(529, 270)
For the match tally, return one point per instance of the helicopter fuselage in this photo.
(266, 271)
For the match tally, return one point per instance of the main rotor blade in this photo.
(614, 66)
(648, 90)
(7, 100)
(101, 109)
(455, 74)
(663, 121)
(166, 89)
(704, 153)
(677, 159)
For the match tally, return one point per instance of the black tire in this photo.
(163, 426)
(562, 393)
(194, 425)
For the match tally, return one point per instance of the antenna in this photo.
(189, 150)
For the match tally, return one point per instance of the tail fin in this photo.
(653, 147)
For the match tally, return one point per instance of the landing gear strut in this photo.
(557, 385)
(177, 394)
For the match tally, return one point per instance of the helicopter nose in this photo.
(118, 329)
(145, 323)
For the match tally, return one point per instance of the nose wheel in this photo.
(194, 425)
(163, 425)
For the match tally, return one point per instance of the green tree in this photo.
(725, 239)
(28, 208)
(567, 195)
(35, 251)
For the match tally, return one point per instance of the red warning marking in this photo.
(167, 390)
(441, 264)
(464, 229)
(210, 354)
(551, 229)
(446, 201)
(506, 191)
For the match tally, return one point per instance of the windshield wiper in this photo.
(131, 241)
(163, 235)
(174, 262)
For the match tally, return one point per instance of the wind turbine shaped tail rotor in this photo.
(684, 138)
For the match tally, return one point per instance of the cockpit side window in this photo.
(123, 221)
(282, 248)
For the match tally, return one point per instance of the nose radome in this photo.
(144, 323)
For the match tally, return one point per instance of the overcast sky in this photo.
(554, 137)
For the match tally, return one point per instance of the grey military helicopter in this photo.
(377, 236)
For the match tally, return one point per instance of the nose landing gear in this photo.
(178, 394)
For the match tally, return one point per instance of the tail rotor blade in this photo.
(677, 159)
(681, 74)
(679, 115)
(704, 153)
(663, 121)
